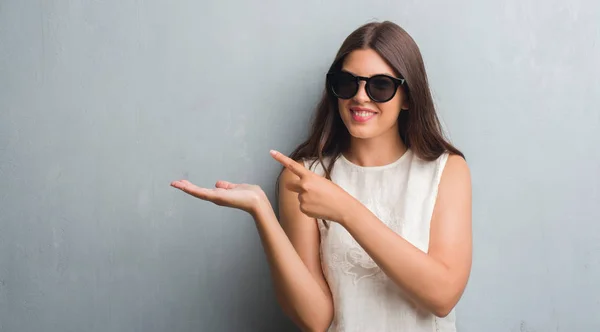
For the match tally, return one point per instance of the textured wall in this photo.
(103, 103)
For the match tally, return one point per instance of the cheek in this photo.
(391, 109)
(342, 104)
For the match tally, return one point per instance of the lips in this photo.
(362, 114)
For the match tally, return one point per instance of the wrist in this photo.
(260, 206)
(350, 209)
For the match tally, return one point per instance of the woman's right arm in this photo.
(292, 250)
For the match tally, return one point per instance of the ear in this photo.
(404, 105)
(405, 101)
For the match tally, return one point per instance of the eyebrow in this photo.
(379, 73)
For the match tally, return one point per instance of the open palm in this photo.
(245, 197)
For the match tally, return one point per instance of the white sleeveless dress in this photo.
(402, 195)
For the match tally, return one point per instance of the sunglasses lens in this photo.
(381, 88)
(344, 85)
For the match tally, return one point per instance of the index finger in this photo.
(289, 163)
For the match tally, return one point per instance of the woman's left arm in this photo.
(435, 280)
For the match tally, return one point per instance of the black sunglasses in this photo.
(380, 88)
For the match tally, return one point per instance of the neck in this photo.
(376, 151)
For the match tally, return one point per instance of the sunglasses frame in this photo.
(397, 82)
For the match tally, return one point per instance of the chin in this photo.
(361, 133)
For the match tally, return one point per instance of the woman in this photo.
(375, 207)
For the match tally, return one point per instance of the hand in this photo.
(245, 197)
(319, 197)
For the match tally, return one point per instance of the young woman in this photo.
(375, 207)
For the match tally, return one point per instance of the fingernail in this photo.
(273, 152)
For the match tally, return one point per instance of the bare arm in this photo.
(294, 260)
(436, 279)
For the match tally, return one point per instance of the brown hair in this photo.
(419, 126)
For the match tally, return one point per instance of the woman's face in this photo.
(363, 117)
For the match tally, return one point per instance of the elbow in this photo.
(446, 298)
(438, 307)
(317, 329)
(314, 322)
(443, 305)
(317, 324)
(442, 311)
(313, 326)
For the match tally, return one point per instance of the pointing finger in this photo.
(290, 163)
(294, 186)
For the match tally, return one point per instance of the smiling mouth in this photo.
(362, 115)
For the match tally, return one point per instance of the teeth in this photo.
(363, 114)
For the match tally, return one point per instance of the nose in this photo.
(361, 95)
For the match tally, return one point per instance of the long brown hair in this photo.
(419, 126)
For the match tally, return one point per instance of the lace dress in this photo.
(402, 195)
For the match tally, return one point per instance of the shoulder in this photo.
(311, 164)
(456, 165)
(456, 173)
(314, 165)
(446, 163)
(287, 175)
